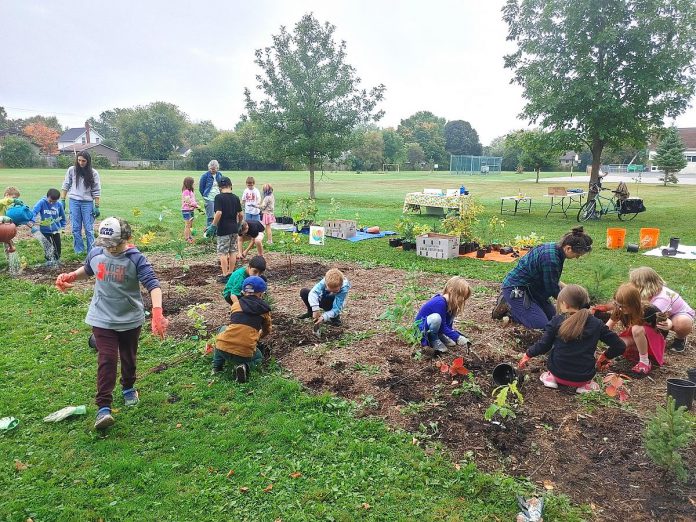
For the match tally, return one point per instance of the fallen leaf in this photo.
(414, 441)
(230, 473)
(48, 337)
(268, 488)
(548, 485)
(365, 505)
(454, 383)
(693, 501)
(295, 474)
(74, 331)
(244, 489)
(19, 465)
(593, 506)
(278, 520)
(178, 425)
(457, 466)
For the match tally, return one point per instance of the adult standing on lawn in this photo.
(82, 187)
(537, 277)
(209, 187)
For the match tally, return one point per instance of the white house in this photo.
(688, 136)
(79, 135)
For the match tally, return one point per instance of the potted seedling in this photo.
(406, 228)
(286, 210)
(305, 213)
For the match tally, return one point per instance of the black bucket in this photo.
(691, 375)
(92, 342)
(673, 243)
(631, 247)
(504, 374)
(682, 391)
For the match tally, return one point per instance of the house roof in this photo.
(72, 134)
(79, 147)
(688, 136)
(568, 156)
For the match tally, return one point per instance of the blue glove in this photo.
(34, 229)
(211, 231)
(95, 211)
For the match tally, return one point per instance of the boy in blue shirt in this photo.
(325, 301)
(50, 216)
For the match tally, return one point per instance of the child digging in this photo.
(325, 301)
(250, 320)
(116, 312)
(678, 316)
(571, 337)
(233, 288)
(436, 317)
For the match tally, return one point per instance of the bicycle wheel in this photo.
(627, 217)
(587, 211)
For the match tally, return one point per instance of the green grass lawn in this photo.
(169, 458)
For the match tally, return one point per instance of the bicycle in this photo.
(595, 208)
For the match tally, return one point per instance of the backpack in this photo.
(622, 192)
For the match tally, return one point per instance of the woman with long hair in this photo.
(83, 189)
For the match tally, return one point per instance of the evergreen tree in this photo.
(668, 433)
(670, 155)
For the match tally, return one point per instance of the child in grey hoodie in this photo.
(116, 312)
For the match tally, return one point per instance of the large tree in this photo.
(428, 131)
(17, 152)
(45, 137)
(670, 155)
(610, 71)
(200, 133)
(311, 96)
(462, 139)
(539, 149)
(107, 126)
(151, 132)
(394, 147)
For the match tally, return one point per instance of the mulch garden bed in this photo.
(592, 453)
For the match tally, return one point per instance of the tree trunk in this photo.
(597, 148)
(312, 195)
(537, 174)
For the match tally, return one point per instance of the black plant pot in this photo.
(474, 246)
(691, 374)
(408, 245)
(480, 253)
(504, 374)
(464, 248)
(395, 242)
(285, 220)
(489, 249)
(682, 391)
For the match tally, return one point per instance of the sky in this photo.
(75, 59)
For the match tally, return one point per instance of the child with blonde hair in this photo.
(436, 317)
(325, 301)
(268, 211)
(571, 337)
(678, 316)
(643, 341)
(188, 205)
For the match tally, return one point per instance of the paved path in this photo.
(647, 178)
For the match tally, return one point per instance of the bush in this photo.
(668, 433)
(17, 152)
(65, 161)
(101, 162)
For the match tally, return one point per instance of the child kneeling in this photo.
(436, 317)
(250, 320)
(573, 334)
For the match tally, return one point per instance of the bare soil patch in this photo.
(593, 455)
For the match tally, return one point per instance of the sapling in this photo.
(667, 434)
(504, 404)
(400, 314)
(600, 274)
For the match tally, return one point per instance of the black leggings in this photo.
(326, 302)
(54, 240)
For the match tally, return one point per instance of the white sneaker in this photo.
(548, 380)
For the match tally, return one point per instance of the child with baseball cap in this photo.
(250, 320)
(116, 312)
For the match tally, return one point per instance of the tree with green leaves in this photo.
(462, 139)
(17, 152)
(609, 71)
(4, 122)
(151, 132)
(394, 147)
(667, 436)
(107, 126)
(368, 151)
(540, 150)
(670, 155)
(415, 155)
(311, 96)
(200, 133)
(428, 131)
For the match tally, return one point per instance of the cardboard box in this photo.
(557, 191)
(340, 228)
(438, 246)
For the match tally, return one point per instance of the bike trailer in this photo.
(631, 206)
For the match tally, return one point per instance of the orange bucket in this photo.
(649, 237)
(616, 237)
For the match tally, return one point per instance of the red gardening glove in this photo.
(601, 308)
(523, 362)
(603, 362)
(159, 322)
(64, 281)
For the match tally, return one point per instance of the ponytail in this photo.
(573, 326)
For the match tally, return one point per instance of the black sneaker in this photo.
(335, 321)
(216, 371)
(305, 315)
(222, 278)
(678, 345)
(501, 308)
(240, 372)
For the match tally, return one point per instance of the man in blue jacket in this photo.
(208, 187)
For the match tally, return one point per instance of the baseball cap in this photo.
(225, 182)
(110, 233)
(253, 284)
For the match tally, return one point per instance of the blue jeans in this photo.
(81, 216)
(220, 357)
(252, 217)
(526, 311)
(209, 211)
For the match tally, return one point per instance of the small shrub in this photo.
(505, 402)
(666, 435)
(64, 161)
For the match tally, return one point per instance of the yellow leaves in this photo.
(48, 337)
(229, 473)
(136, 211)
(549, 485)
(146, 239)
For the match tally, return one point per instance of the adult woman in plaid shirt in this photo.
(537, 276)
